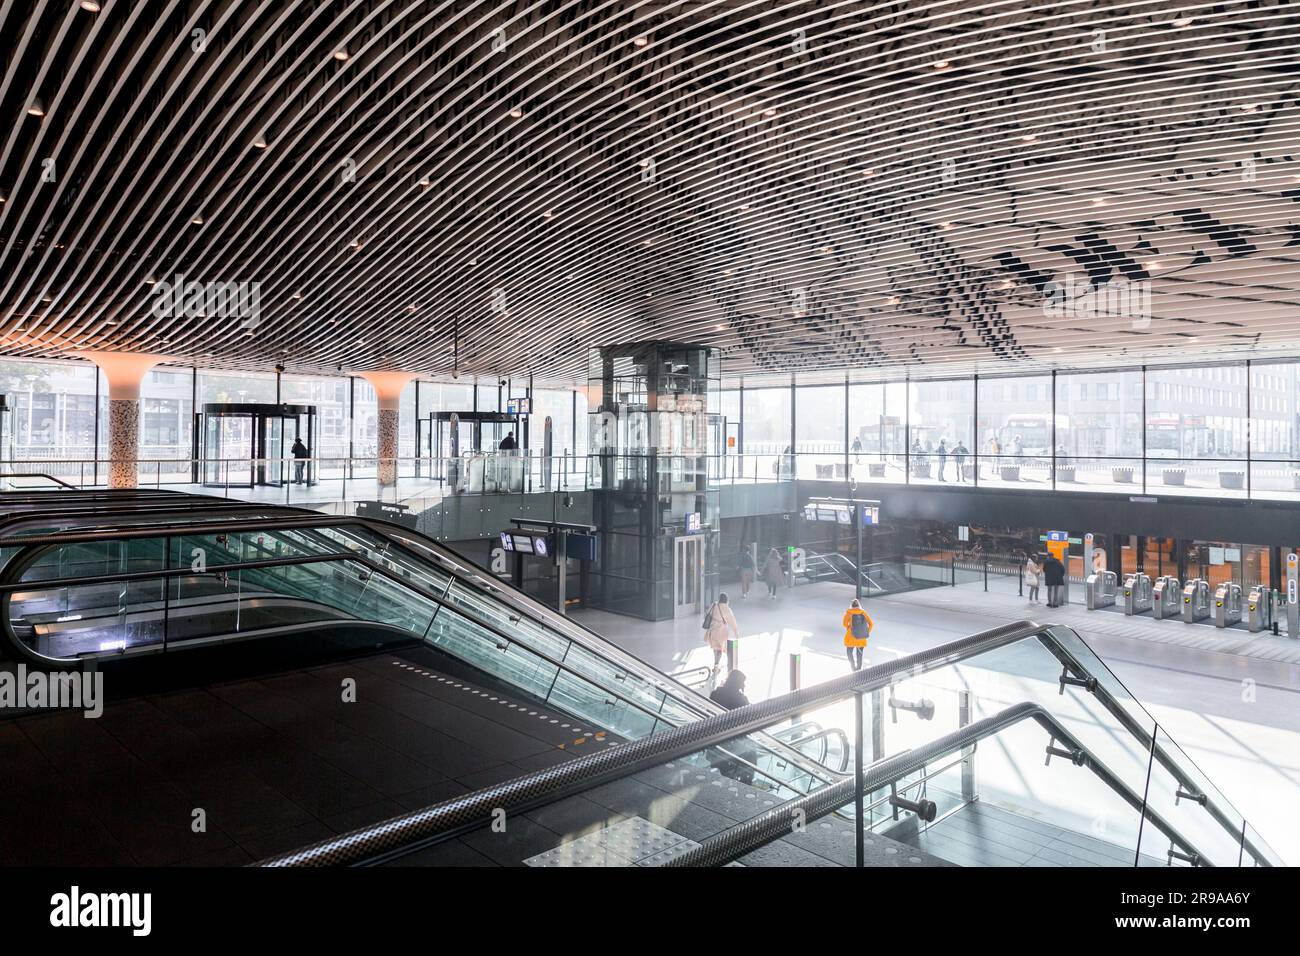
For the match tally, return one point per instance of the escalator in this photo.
(1016, 746)
(108, 582)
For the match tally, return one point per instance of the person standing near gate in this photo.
(942, 452)
(857, 628)
(1054, 578)
(300, 456)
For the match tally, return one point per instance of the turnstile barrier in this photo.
(1259, 609)
(1227, 604)
(1196, 600)
(1166, 597)
(1137, 593)
(1100, 590)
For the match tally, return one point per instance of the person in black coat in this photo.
(1054, 578)
(732, 695)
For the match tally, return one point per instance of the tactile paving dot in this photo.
(634, 841)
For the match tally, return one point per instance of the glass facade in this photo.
(1223, 430)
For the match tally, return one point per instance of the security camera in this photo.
(455, 373)
(501, 382)
(279, 367)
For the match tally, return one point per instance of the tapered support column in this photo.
(388, 390)
(124, 372)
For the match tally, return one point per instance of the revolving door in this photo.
(251, 444)
(465, 452)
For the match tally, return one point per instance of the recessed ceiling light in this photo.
(36, 107)
(825, 249)
(868, 172)
(516, 113)
(1153, 265)
(426, 182)
(641, 41)
(1099, 201)
(473, 262)
(297, 295)
(744, 208)
(411, 307)
(1029, 138)
(649, 242)
(945, 225)
(1058, 349)
(1249, 107)
(90, 6)
(1184, 21)
(941, 64)
(548, 214)
(197, 220)
(259, 143)
(341, 54)
(356, 243)
(770, 111)
(150, 281)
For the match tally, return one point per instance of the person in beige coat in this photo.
(719, 622)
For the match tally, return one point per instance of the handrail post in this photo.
(859, 811)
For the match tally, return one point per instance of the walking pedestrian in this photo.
(942, 452)
(746, 568)
(857, 628)
(772, 573)
(959, 453)
(719, 621)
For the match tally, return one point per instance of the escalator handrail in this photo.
(40, 474)
(773, 824)
(413, 830)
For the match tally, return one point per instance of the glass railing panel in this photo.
(474, 644)
(90, 620)
(1208, 829)
(515, 625)
(580, 697)
(1255, 850)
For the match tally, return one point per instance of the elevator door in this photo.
(688, 575)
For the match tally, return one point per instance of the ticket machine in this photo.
(1099, 590)
(1227, 604)
(1137, 593)
(1196, 600)
(1166, 597)
(1259, 609)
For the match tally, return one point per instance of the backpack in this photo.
(858, 626)
(708, 616)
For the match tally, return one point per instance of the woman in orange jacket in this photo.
(857, 628)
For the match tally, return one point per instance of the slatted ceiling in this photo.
(764, 156)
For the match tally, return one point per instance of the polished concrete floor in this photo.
(1230, 699)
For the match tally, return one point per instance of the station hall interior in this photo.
(655, 423)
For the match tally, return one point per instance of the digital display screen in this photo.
(523, 544)
(507, 542)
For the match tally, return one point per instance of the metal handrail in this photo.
(401, 834)
(37, 474)
(773, 824)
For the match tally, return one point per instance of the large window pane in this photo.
(1015, 430)
(1196, 430)
(329, 395)
(941, 420)
(767, 433)
(819, 431)
(1099, 430)
(877, 430)
(52, 415)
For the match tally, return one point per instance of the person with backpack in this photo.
(857, 628)
(718, 622)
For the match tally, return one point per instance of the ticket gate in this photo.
(1259, 609)
(1227, 605)
(1137, 593)
(1099, 590)
(1196, 600)
(1165, 597)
